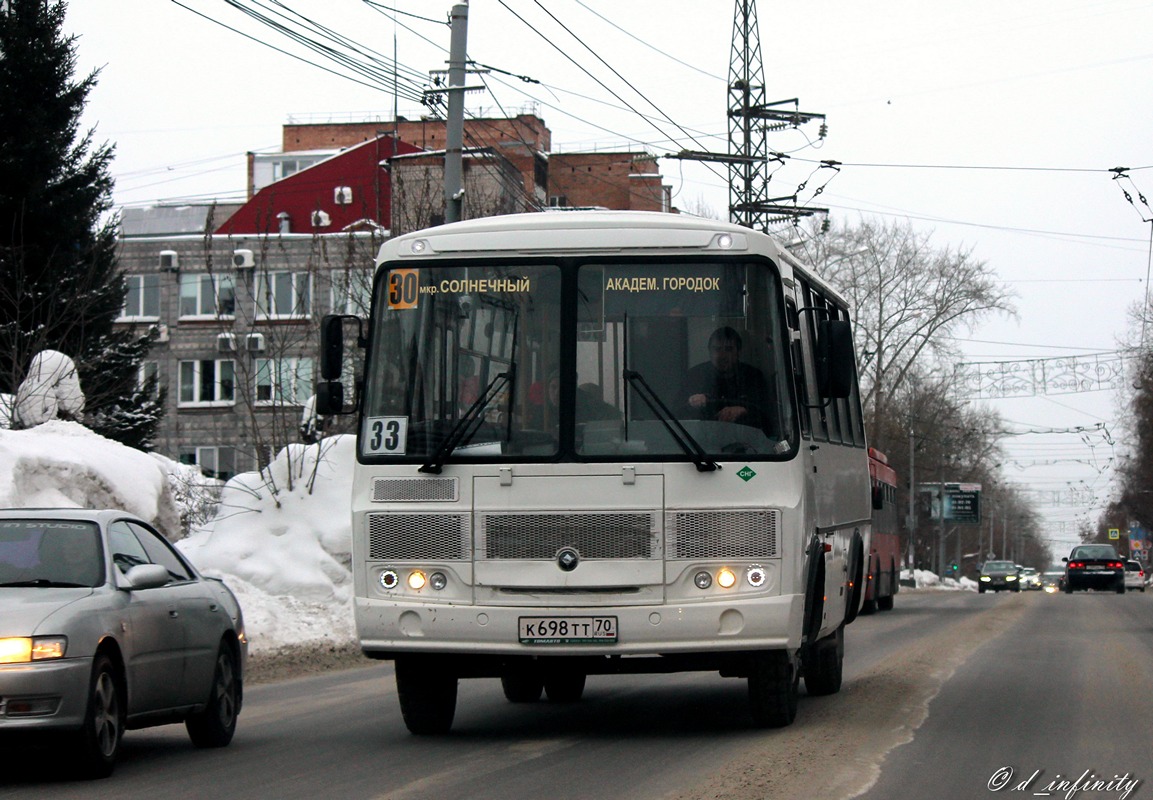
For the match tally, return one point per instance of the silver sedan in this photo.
(106, 627)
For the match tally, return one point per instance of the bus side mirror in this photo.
(836, 358)
(331, 346)
(330, 398)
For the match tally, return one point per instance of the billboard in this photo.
(959, 502)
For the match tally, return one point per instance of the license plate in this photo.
(1095, 569)
(568, 630)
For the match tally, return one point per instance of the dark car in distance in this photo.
(1094, 566)
(998, 575)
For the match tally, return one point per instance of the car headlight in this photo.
(986, 578)
(23, 649)
(1010, 577)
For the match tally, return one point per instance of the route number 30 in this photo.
(403, 288)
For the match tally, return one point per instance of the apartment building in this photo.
(233, 293)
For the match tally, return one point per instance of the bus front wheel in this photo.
(772, 689)
(427, 693)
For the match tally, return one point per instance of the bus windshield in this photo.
(596, 360)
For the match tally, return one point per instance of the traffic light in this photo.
(954, 568)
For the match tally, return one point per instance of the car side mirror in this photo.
(147, 576)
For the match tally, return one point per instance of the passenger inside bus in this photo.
(726, 389)
(589, 406)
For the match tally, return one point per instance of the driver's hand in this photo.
(731, 413)
(698, 401)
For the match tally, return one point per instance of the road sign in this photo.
(1114, 533)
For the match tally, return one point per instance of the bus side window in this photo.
(814, 405)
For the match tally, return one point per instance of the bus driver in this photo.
(725, 388)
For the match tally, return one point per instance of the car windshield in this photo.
(1000, 566)
(50, 553)
(1095, 551)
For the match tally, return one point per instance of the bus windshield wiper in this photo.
(467, 426)
(680, 435)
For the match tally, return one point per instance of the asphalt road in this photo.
(941, 695)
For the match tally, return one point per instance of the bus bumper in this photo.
(773, 623)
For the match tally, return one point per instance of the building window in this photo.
(215, 462)
(283, 381)
(283, 294)
(141, 298)
(148, 377)
(205, 295)
(205, 383)
(351, 292)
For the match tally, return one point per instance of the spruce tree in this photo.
(60, 285)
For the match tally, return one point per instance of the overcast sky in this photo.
(991, 124)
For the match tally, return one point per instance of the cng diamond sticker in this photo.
(746, 474)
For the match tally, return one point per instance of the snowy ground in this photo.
(281, 544)
(281, 540)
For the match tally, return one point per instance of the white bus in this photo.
(602, 443)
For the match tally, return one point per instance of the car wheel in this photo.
(980, 590)
(98, 742)
(772, 689)
(427, 694)
(1121, 587)
(216, 724)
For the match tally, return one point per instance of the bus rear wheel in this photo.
(772, 689)
(564, 686)
(427, 693)
(521, 685)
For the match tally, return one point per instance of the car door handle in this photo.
(173, 613)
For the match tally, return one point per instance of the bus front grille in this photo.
(414, 490)
(631, 535)
(722, 534)
(418, 537)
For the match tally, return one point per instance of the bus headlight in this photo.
(703, 580)
(438, 580)
(726, 578)
(416, 580)
(389, 579)
(755, 575)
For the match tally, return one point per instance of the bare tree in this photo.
(909, 299)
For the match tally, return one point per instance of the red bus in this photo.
(882, 583)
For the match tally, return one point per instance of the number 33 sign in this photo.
(385, 435)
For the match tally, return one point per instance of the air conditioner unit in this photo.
(320, 219)
(342, 195)
(243, 259)
(226, 343)
(254, 343)
(169, 260)
(159, 333)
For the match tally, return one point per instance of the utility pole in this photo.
(751, 118)
(454, 125)
(912, 556)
